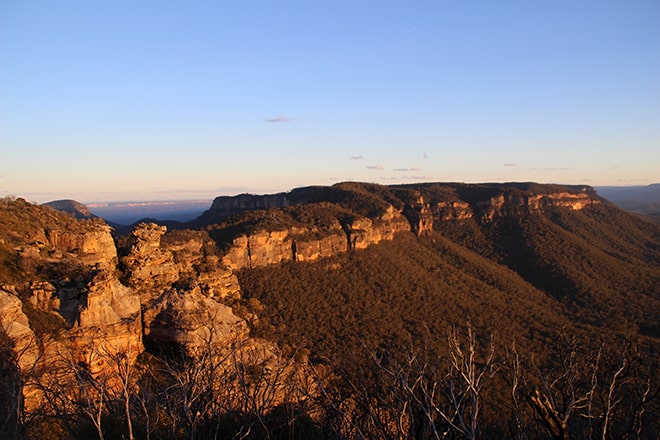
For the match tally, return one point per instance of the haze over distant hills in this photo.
(126, 213)
(639, 199)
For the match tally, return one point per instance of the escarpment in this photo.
(263, 245)
(355, 216)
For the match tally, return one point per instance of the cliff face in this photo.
(192, 321)
(17, 328)
(152, 267)
(92, 247)
(382, 215)
(226, 206)
(426, 210)
(263, 247)
(511, 203)
(179, 283)
(62, 304)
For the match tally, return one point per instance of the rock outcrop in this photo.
(227, 206)
(264, 247)
(90, 247)
(508, 203)
(192, 322)
(180, 282)
(150, 269)
(16, 326)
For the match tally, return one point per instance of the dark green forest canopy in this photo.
(592, 272)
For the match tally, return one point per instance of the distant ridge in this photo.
(77, 209)
(366, 197)
(128, 213)
(638, 199)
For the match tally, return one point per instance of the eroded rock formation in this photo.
(192, 321)
(16, 326)
(149, 268)
(416, 209)
(90, 247)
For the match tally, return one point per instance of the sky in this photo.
(158, 100)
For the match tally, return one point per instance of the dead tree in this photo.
(581, 393)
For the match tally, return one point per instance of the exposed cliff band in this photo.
(416, 209)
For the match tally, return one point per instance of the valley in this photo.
(327, 294)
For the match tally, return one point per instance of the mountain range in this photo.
(354, 284)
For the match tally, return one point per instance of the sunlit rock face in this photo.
(91, 247)
(437, 203)
(503, 204)
(99, 311)
(191, 321)
(419, 211)
(153, 265)
(264, 247)
(149, 269)
(16, 326)
(69, 286)
(106, 302)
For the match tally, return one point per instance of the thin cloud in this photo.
(374, 167)
(552, 169)
(280, 119)
(407, 178)
(633, 181)
(426, 156)
(360, 157)
(407, 169)
(509, 164)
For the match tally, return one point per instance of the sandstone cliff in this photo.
(152, 266)
(150, 270)
(17, 328)
(190, 320)
(354, 216)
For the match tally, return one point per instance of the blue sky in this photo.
(142, 100)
